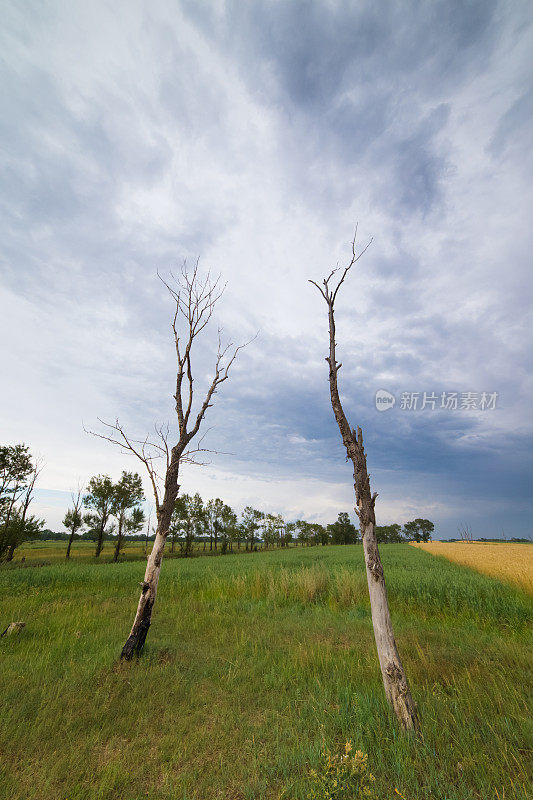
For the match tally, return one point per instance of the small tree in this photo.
(182, 525)
(303, 532)
(127, 496)
(199, 518)
(23, 526)
(394, 679)
(322, 534)
(99, 499)
(18, 476)
(343, 531)
(426, 528)
(15, 470)
(73, 520)
(214, 516)
(395, 533)
(389, 533)
(290, 531)
(229, 528)
(178, 519)
(269, 530)
(279, 528)
(194, 301)
(418, 530)
(240, 534)
(251, 521)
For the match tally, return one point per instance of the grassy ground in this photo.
(252, 661)
(50, 552)
(506, 561)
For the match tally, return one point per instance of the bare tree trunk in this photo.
(100, 541)
(394, 679)
(70, 538)
(141, 624)
(119, 540)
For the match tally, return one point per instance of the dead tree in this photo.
(465, 532)
(194, 298)
(394, 679)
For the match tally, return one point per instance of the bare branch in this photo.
(319, 289)
(330, 295)
(138, 447)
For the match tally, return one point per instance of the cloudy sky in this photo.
(254, 135)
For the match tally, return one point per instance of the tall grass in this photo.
(312, 584)
(251, 663)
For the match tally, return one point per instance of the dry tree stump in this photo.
(14, 627)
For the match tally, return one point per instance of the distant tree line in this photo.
(214, 526)
(111, 511)
(514, 539)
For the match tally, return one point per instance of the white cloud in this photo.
(138, 135)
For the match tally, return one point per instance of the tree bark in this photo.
(141, 624)
(100, 541)
(394, 679)
(119, 539)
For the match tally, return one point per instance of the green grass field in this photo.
(252, 662)
(50, 552)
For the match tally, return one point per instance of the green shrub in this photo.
(342, 776)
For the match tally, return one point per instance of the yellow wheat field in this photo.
(509, 562)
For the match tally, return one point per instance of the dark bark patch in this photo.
(376, 569)
(135, 641)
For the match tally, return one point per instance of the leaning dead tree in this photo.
(394, 679)
(194, 298)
